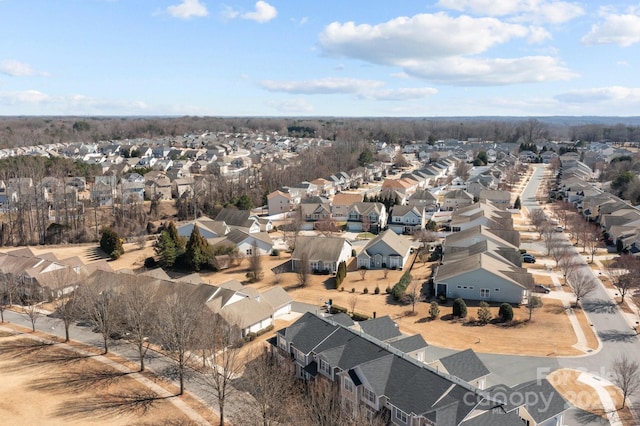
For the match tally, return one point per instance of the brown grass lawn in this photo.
(42, 382)
(543, 279)
(583, 396)
(548, 334)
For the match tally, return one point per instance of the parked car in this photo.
(539, 288)
(559, 229)
(528, 258)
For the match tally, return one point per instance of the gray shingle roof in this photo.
(383, 328)
(465, 365)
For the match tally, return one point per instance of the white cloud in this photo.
(363, 89)
(291, 106)
(612, 94)
(538, 35)
(263, 12)
(437, 47)
(620, 29)
(68, 104)
(490, 72)
(19, 69)
(188, 9)
(402, 94)
(424, 36)
(541, 11)
(321, 86)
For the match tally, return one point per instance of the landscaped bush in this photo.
(388, 290)
(264, 330)
(377, 290)
(250, 337)
(353, 290)
(150, 262)
(275, 252)
(400, 287)
(506, 312)
(366, 290)
(335, 309)
(459, 308)
(359, 317)
(434, 310)
(484, 313)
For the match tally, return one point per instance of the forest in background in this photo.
(27, 131)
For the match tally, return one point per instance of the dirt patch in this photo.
(585, 397)
(543, 279)
(73, 389)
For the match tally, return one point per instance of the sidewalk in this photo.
(608, 405)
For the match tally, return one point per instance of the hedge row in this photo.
(400, 287)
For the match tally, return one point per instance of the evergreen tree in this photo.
(459, 308)
(197, 250)
(178, 241)
(166, 249)
(341, 273)
(517, 204)
(111, 243)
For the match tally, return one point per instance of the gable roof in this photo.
(382, 328)
(465, 365)
(395, 242)
(319, 248)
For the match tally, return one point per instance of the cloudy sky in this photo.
(320, 58)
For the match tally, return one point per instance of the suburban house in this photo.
(103, 191)
(424, 198)
(407, 219)
(157, 186)
(246, 242)
(341, 203)
(465, 365)
(481, 213)
(387, 250)
(456, 198)
(323, 254)
(242, 219)
(314, 212)
(279, 202)
(207, 227)
(500, 198)
(132, 187)
(388, 385)
(366, 217)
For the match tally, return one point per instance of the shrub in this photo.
(400, 287)
(442, 298)
(376, 290)
(111, 243)
(366, 290)
(459, 308)
(342, 288)
(275, 252)
(388, 290)
(150, 262)
(250, 337)
(264, 330)
(506, 312)
(353, 252)
(115, 254)
(359, 317)
(434, 310)
(484, 313)
(335, 309)
(353, 290)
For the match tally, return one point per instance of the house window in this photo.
(401, 415)
(348, 385)
(325, 367)
(459, 286)
(249, 252)
(484, 292)
(369, 396)
(496, 289)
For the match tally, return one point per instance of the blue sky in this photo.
(319, 58)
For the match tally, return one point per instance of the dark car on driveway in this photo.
(539, 288)
(528, 258)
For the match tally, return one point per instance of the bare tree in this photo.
(623, 273)
(65, 301)
(462, 170)
(98, 303)
(7, 292)
(582, 284)
(564, 211)
(255, 264)
(273, 388)
(363, 273)
(353, 302)
(326, 225)
(567, 263)
(592, 240)
(413, 294)
(533, 302)
(181, 318)
(304, 270)
(222, 362)
(321, 405)
(626, 375)
(558, 249)
(538, 219)
(139, 315)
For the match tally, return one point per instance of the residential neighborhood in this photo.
(450, 231)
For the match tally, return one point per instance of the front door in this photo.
(442, 289)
